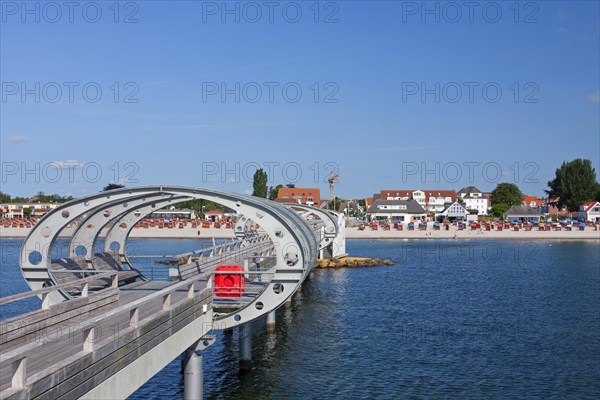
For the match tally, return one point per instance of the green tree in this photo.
(198, 204)
(274, 191)
(574, 184)
(335, 204)
(260, 184)
(499, 209)
(112, 186)
(27, 212)
(506, 193)
(5, 198)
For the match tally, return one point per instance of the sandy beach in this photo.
(352, 233)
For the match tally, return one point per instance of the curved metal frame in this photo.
(295, 244)
(334, 228)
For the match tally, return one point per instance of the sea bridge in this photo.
(103, 329)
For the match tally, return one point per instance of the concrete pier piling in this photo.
(245, 333)
(271, 321)
(193, 374)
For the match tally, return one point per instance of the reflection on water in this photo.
(474, 319)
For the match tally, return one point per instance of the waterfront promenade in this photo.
(352, 233)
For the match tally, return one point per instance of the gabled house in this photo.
(590, 211)
(533, 201)
(453, 212)
(348, 207)
(213, 215)
(475, 199)
(396, 210)
(522, 214)
(550, 206)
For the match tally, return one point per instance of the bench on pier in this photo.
(100, 262)
(78, 263)
(109, 261)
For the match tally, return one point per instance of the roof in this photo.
(589, 205)
(412, 207)
(523, 211)
(447, 212)
(213, 212)
(351, 204)
(469, 190)
(529, 199)
(302, 195)
(289, 192)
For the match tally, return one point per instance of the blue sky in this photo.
(391, 96)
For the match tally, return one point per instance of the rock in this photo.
(351, 262)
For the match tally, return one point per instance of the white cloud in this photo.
(68, 164)
(17, 138)
(247, 191)
(594, 97)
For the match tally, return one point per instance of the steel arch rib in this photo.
(130, 218)
(89, 229)
(329, 218)
(291, 235)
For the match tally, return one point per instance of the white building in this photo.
(433, 201)
(452, 212)
(475, 199)
(16, 210)
(396, 210)
(590, 211)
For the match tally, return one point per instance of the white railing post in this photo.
(167, 302)
(115, 280)
(134, 317)
(19, 373)
(89, 336)
(85, 290)
(46, 301)
(190, 294)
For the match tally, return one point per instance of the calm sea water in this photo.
(453, 319)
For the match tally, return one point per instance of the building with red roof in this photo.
(308, 196)
(590, 211)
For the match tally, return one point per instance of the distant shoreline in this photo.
(351, 233)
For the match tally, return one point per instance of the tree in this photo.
(5, 198)
(27, 212)
(499, 209)
(260, 184)
(197, 204)
(274, 192)
(112, 186)
(574, 184)
(290, 186)
(335, 204)
(506, 193)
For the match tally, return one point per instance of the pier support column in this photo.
(271, 321)
(193, 379)
(245, 347)
(288, 303)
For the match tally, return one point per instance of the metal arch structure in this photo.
(88, 230)
(296, 246)
(333, 240)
